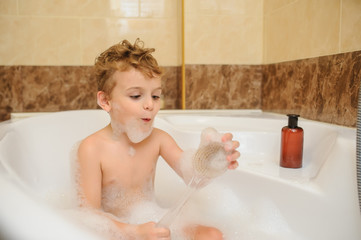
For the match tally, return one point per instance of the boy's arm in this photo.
(90, 184)
(89, 176)
(170, 151)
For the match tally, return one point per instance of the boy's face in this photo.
(134, 103)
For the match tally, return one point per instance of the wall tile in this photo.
(8, 7)
(54, 88)
(37, 41)
(59, 88)
(171, 87)
(100, 34)
(223, 40)
(270, 6)
(158, 9)
(7, 75)
(323, 89)
(224, 7)
(302, 29)
(79, 8)
(351, 25)
(51, 32)
(223, 87)
(223, 32)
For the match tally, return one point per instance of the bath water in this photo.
(214, 205)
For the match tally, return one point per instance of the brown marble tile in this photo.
(59, 88)
(323, 88)
(7, 74)
(223, 86)
(54, 88)
(171, 87)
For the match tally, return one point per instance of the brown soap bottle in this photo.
(291, 144)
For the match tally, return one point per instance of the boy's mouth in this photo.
(146, 119)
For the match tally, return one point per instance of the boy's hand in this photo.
(149, 231)
(230, 147)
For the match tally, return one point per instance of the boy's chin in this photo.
(138, 136)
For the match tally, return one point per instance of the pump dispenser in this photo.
(291, 144)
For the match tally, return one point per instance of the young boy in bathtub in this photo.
(117, 163)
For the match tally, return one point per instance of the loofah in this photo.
(210, 160)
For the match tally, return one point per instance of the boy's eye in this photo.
(156, 97)
(135, 96)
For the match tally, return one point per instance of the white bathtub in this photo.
(259, 200)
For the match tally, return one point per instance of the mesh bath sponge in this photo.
(208, 162)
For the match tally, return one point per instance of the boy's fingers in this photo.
(227, 137)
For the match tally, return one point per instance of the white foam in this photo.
(136, 131)
(93, 221)
(131, 151)
(135, 128)
(215, 205)
(256, 219)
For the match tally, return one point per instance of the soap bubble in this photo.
(217, 205)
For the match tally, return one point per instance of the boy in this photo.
(117, 163)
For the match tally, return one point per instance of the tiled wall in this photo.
(299, 29)
(323, 88)
(52, 32)
(223, 32)
(238, 53)
(223, 86)
(59, 88)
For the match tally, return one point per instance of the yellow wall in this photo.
(223, 31)
(73, 32)
(298, 29)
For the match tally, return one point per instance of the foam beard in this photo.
(134, 130)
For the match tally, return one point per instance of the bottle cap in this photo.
(292, 120)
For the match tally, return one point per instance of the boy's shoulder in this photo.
(162, 136)
(94, 140)
(160, 133)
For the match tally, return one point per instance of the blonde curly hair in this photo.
(121, 57)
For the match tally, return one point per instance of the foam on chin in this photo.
(133, 129)
(135, 132)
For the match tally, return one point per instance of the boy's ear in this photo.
(103, 101)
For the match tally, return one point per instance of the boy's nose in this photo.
(148, 104)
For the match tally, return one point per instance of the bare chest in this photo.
(129, 168)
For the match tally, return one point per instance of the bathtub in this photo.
(258, 200)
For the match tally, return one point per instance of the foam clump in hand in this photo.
(210, 160)
(207, 162)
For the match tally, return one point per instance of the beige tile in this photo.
(224, 32)
(351, 25)
(249, 8)
(273, 5)
(8, 7)
(224, 7)
(159, 8)
(223, 40)
(39, 41)
(161, 34)
(75, 8)
(301, 30)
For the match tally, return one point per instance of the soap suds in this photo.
(134, 128)
(216, 205)
(131, 151)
